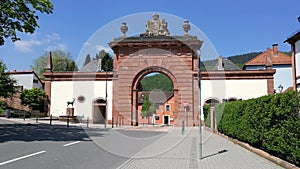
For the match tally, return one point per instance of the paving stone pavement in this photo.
(183, 152)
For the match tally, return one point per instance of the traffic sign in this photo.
(185, 103)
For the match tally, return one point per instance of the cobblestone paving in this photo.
(182, 151)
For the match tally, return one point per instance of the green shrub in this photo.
(270, 122)
(3, 107)
(34, 98)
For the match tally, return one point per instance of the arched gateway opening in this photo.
(152, 51)
(99, 111)
(155, 96)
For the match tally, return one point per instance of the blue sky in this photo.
(233, 27)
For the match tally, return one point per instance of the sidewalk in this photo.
(218, 153)
(46, 120)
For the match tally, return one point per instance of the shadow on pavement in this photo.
(219, 152)
(44, 132)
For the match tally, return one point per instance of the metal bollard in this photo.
(51, 119)
(87, 122)
(112, 123)
(68, 121)
(182, 131)
(24, 116)
(36, 119)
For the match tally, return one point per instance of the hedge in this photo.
(271, 123)
(206, 112)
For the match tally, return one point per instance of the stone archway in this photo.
(134, 90)
(212, 101)
(174, 56)
(99, 111)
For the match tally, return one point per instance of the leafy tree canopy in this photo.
(157, 81)
(7, 83)
(20, 15)
(34, 98)
(107, 61)
(61, 61)
(147, 108)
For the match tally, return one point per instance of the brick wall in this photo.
(15, 101)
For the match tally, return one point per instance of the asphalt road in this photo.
(41, 146)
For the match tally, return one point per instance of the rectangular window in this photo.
(168, 108)
(156, 117)
(156, 106)
(35, 81)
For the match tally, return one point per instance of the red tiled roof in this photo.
(268, 57)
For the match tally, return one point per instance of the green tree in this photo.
(21, 16)
(157, 81)
(7, 83)
(147, 109)
(34, 98)
(107, 61)
(62, 62)
(87, 59)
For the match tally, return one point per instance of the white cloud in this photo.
(53, 42)
(26, 46)
(53, 37)
(56, 46)
(47, 42)
(101, 47)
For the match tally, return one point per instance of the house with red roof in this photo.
(274, 59)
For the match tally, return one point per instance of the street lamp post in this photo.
(280, 88)
(199, 106)
(106, 95)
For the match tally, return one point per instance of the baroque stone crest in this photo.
(156, 27)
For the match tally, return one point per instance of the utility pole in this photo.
(199, 106)
(105, 93)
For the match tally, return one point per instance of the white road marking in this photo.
(20, 158)
(71, 143)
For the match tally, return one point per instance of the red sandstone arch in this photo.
(140, 75)
(136, 80)
(134, 57)
(212, 101)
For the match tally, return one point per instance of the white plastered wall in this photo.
(63, 91)
(239, 89)
(25, 80)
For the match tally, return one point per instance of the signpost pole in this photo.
(185, 105)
